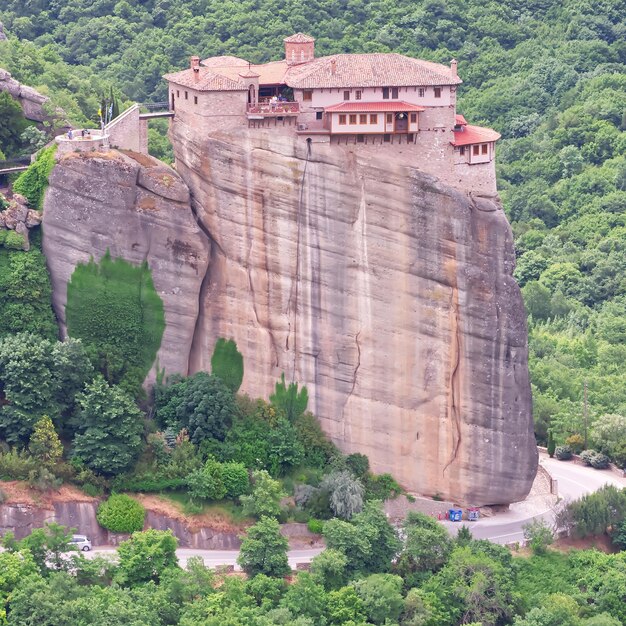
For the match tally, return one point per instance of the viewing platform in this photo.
(94, 140)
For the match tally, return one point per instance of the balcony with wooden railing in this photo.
(273, 109)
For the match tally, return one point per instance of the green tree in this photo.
(329, 569)
(346, 494)
(227, 363)
(33, 139)
(12, 124)
(25, 293)
(202, 404)
(307, 598)
(208, 482)
(551, 444)
(381, 595)
(28, 384)
(289, 400)
(474, 587)
(264, 550)
(146, 556)
(427, 547)
(264, 501)
(608, 435)
(108, 437)
(49, 547)
(45, 444)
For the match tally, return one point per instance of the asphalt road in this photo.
(215, 558)
(574, 481)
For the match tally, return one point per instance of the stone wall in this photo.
(125, 131)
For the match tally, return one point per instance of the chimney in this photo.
(453, 66)
(194, 64)
(333, 66)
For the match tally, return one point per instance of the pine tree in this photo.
(45, 444)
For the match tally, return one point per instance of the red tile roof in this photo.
(390, 106)
(368, 70)
(224, 61)
(460, 120)
(206, 80)
(474, 134)
(299, 38)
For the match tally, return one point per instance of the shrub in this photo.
(587, 455)
(538, 535)
(208, 482)
(236, 479)
(43, 479)
(121, 514)
(148, 484)
(316, 526)
(358, 464)
(16, 465)
(600, 461)
(12, 240)
(91, 490)
(595, 459)
(33, 182)
(302, 494)
(563, 453)
(551, 444)
(576, 443)
(381, 487)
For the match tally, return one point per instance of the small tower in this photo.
(299, 48)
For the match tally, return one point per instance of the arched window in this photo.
(251, 95)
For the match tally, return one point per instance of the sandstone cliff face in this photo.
(388, 294)
(138, 208)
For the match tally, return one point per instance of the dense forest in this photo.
(551, 77)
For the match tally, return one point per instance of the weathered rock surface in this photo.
(387, 293)
(18, 217)
(30, 100)
(138, 208)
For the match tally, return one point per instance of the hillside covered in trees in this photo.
(550, 76)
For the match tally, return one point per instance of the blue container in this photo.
(455, 515)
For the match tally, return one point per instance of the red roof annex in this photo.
(390, 106)
(474, 134)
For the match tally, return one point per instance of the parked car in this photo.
(81, 542)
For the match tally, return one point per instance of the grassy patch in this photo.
(225, 509)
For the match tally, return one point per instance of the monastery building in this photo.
(360, 100)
